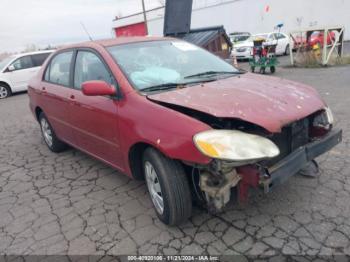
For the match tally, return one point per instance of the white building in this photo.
(254, 16)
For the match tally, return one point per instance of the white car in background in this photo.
(244, 50)
(17, 70)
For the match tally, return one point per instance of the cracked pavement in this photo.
(69, 203)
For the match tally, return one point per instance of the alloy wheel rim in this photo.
(3, 92)
(45, 127)
(153, 186)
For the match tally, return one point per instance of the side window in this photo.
(23, 63)
(57, 71)
(88, 67)
(39, 59)
(280, 36)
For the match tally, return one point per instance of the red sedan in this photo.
(190, 124)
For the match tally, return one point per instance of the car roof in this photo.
(239, 33)
(117, 41)
(264, 33)
(33, 53)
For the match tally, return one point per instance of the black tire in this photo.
(175, 190)
(287, 51)
(198, 197)
(5, 91)
(56, 145)
(252, 69)
(272, 69)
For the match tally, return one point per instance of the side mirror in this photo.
(97, 88)
(11, 68)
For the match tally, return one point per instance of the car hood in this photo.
(268, 102)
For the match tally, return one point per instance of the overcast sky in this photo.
(44, 22)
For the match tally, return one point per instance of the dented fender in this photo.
(167, 130)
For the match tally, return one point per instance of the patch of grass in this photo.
(308, 59)
(311, 59)
(345, 60)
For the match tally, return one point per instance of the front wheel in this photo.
(5, 91)
(50, 138)
(168, 187)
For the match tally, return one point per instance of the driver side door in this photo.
(23, 70)
(94, 118)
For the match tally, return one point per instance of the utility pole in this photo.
(144, 16)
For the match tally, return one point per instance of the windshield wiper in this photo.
(161, 87)
(168, 86)
(209, 73)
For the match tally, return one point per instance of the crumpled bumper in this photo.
(293, 163)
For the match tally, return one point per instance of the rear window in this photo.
(39, 59)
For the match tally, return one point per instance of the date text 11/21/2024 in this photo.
(173, 258)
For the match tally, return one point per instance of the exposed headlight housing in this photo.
(324, 119)
(322, 123)
(234, 145)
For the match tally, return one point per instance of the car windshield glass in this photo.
(240, 38)
(5, 61)
(157, 63)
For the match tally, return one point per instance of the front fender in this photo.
(6, 81)
(167, 130)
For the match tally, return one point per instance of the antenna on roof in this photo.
(86, 31)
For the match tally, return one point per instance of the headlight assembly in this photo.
(324, 119)
(234, 145)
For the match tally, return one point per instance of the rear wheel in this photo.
(252, 69)
(50, 138)
(5, 91)
(272, 69)
(168, 187)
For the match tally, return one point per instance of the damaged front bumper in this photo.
(293, 163)
(217, 182)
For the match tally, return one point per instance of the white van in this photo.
(17, 70)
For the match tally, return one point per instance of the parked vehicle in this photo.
(316, 38)
(17, 70)
(190, 124)
(238, 37)
(244, 50)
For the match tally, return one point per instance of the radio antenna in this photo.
(86, 31)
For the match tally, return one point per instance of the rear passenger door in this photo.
(283, 42)
(55, 90)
